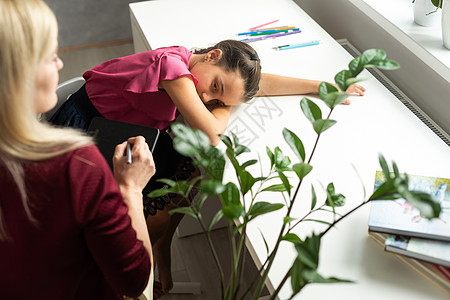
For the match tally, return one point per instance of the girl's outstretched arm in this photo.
(277, 85)
(184, 95)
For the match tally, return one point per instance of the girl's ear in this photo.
(214, 55)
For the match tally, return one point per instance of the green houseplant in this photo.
(239, 198)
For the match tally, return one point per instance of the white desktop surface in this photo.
(375, 123)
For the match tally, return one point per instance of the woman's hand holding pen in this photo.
(133, 175)
(132, 178)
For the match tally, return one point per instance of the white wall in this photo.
(343, 19)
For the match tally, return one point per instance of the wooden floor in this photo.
(192, 261)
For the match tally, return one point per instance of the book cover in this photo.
(434, 251)
(401, 218)
(439, 275)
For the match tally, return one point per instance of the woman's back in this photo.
(82, 243)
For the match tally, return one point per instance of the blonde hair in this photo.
(28, 31)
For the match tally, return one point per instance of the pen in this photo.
(270, 36)
(286, 47)
(128, 153)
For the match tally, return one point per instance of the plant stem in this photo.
(277, 291)
(345, 215)
(214, 253)
(275, 250)
(232, 281)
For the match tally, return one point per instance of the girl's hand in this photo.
(354, 89)
(136, 175)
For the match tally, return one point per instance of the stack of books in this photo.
(421, 243)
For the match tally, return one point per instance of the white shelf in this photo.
(397, 18)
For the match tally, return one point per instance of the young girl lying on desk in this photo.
(149, 88)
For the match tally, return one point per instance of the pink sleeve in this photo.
(166, 67)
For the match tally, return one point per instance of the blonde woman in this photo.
(69, 228)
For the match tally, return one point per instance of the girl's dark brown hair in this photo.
(239, 56)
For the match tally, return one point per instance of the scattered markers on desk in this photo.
(267, 30)
(274, 35)
(293, 46)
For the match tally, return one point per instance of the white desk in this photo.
(375, 123)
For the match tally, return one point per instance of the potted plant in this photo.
(239, 198)
(426, 12)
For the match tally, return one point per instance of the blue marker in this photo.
(286, 47)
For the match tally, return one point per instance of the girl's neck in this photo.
(195, 58)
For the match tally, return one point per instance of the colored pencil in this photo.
(256, 27)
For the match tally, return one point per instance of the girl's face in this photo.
(217, 86)
(46, 82)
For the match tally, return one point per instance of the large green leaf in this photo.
(226, 140)
(437, 3)
(312, 276)
(372, 55)
(184, 147)
(335, 98)
(231, 202)
(247, 181)
(322, 124)
(384, 64)
(297, 280)
(427, 204)
(302, 169)
(333, 199)
(184, 210)
(217, 217)
(231, 195)
(326, 88)
(311, 111)
(308, 251)
(261, 208)
(271, 157)
(355, 66)
(341, 79)
(275, 188)
(285, 182)
(249, 163)
(232, 212)
(288, 219)
(295, 143)
(281, 161)
(313, 197)
(193, 137)
(211, 187)
(291, 237)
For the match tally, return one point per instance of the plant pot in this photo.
(446, 23)
(425, 13)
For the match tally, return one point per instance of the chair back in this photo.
(65, 89)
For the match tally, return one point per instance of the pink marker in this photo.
(256, 27)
